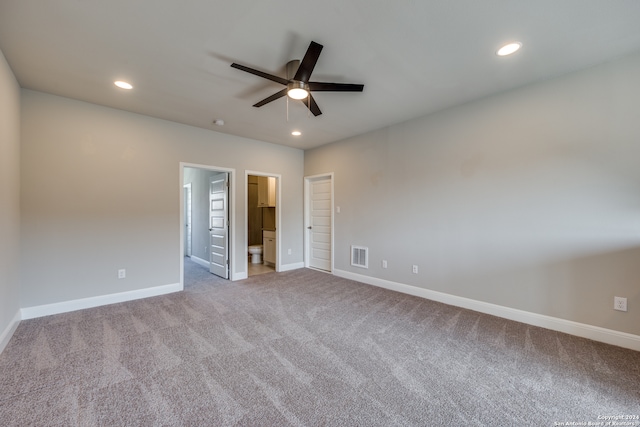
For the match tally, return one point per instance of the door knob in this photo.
(309, 227)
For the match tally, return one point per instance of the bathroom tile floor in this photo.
(255, 269)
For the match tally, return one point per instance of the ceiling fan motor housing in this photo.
(292, 68)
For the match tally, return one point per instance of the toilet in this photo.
(255, 251)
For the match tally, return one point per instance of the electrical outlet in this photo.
(415, 269)
(288, 251)
(122, 273)
(384, 263)
(620, 303)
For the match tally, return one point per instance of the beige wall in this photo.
(101, 191)
(9, 198)
(529, 199)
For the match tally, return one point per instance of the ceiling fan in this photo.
(297, 82)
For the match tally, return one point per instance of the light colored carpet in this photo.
(304, 348)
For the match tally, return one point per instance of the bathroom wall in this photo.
(259, 218)
(254, 218)
(269, 218)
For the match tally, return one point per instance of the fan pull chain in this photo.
(287, 108)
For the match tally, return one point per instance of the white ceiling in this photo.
(414, 57)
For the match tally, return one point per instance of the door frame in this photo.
(245, 243)
(188, 205)
(307, 216)
(232, 214)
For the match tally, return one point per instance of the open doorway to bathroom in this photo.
(262, 214)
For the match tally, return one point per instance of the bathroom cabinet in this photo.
(269, 246)
(266, 191)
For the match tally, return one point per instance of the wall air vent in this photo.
(360, 256)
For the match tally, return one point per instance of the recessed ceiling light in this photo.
(296, 133)
(123, 85)
(509, 48)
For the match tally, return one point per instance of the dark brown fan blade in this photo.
(273, 97)
(261, 74)
(335, 87)
(313, 107)
(308, 62)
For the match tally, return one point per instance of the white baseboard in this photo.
(596, 333)
(6, 335)
(294, 266)
(200, 261)
(80, 304)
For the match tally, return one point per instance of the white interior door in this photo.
(319, 222)
(219, 225)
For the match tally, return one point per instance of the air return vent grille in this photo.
(360, 256)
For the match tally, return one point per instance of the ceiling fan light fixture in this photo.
(509, 48)
(297, 90)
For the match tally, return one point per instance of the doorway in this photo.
(318, 212)
(207, 190)
(262, 222)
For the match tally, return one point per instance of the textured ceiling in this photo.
(414, 57)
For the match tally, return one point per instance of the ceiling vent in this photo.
(360, 256)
